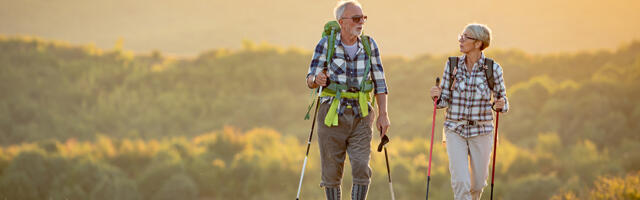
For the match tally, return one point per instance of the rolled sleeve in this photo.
(445, 95)
(319, 58)
(501, 89)
(379, 79)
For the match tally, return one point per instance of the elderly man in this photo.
(344, 118)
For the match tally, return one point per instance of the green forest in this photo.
(79, 122)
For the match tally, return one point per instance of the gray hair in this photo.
(339, 9)
(480, 32)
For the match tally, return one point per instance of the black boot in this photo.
(359, 192)
(332, 193)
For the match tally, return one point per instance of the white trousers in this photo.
(468, 164)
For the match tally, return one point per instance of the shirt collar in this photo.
(480, 62)
(339, 42)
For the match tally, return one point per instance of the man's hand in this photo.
(321, 79)
(383, 123)
(499, 104)
(435, 92)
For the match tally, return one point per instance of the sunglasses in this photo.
(357, 18)
(463, 37)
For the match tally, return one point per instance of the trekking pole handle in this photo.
(324, 71)
(437, 84)
(497, 109)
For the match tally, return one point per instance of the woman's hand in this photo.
(499, 104)
(435, 92)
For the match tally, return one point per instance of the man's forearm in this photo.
(382, 104)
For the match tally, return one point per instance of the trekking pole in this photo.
(495, 144)
(382, 145)
(306, 156)
(435, 103)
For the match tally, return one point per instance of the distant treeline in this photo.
(263, 164)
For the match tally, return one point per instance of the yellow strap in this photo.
(331, 119)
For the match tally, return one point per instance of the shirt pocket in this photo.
(482, 88)
(459, 83)
(337, 66)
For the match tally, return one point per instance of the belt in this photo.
(472, 123)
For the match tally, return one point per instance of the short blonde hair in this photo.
(339, 9)
(480, 32)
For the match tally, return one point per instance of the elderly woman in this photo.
(469, 83)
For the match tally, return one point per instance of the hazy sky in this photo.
(187, 27)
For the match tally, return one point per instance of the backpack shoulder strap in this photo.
(365, 43)
(488, 72)
(331, 40)
(367, 48)
(331, 31)
(453, 63)
(368, 69)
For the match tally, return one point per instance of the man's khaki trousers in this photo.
(352, 136)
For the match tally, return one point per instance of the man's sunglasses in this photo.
(357, 18)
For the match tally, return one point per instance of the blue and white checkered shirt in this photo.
(348, 71)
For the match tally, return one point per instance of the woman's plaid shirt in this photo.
(470, 97)
(349, 71)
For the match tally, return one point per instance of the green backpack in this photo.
(331, 31)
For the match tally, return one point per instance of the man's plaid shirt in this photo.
(470, 97)
(348, 71)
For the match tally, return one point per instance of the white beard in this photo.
(356, 32)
